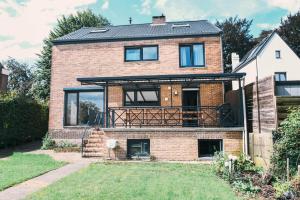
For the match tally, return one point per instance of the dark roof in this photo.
(140, 31)
(254, 52)
(119, 80)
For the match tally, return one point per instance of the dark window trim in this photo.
(135, 102)
(278, 54)
(279, 73)
(192, 54)
(129, 142)
(76, 91)
(140, 47)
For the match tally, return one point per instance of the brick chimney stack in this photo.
(158, 20)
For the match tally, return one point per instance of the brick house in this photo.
(153, 89)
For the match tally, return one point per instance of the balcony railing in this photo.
(287, 88)
(176, 116)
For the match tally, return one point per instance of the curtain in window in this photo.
(185, 56)
(198, 54)
(71, 109)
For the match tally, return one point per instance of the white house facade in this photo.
(272, 56)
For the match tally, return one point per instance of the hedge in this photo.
(21, 120)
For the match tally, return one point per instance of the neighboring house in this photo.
(272, 84)
(3, 78)
(155, 88)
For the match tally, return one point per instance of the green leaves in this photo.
(287, 144)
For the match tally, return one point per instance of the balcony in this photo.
(287, 88)
(176, 116)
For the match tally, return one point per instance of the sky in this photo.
(25, 23)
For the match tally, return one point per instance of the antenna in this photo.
(130, 20)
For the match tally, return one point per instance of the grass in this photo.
(20, 167)
(133, 181)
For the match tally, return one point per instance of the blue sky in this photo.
(25, 23)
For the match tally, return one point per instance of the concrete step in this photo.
(93, 145)
(94, 140)
(92, 149)
(92, 154)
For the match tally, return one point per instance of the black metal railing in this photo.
(287, 88)
(175, 116)
(93, 123)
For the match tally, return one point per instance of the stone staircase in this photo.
(93, 146)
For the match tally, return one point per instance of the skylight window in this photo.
(180, 25)
(101, 30)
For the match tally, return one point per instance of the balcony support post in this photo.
(106, 106)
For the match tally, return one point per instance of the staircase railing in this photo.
(95, 123)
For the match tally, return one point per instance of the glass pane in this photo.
(71, 112)
(133, 54)
(147, 96)
(149, 53)
(90, 104)
(277, 54)
(138, 147)
(129, 97)
(198, 54)
(277, 77)
(185, 56)
(282, 77)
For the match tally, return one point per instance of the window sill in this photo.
(78, 126)
(193, 67)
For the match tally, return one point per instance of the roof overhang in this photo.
(160, 79)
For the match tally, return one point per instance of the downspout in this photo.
(245, 134)
(257, 97)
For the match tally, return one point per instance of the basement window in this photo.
(137, 148)
(207, 148)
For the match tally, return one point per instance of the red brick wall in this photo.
(167, 145)
(107, 59)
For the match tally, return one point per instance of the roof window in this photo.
(180, 25)
(101, 30)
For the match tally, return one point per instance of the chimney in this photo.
(235, 60)
(159, 20)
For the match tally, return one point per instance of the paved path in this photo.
(22, 190)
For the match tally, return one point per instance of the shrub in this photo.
(22, 120)
(48, 143)
(287, 144)
(282, 189)
(65, 146)
(246, 187)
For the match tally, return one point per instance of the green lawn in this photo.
(132, 181)
(20, 167)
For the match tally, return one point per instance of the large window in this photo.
(138, 148)
(192, 55)
(141, 53)
(82, 106)
(141, 97)
(280, 76)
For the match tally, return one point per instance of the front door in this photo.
(190, 106)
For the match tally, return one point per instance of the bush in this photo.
(287, 144)
(48, 143)
(282, 189)
(22, 120)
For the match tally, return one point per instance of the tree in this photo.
(263, 34)
(289, 30)
(236, 38)
(287, 143)
(65, 25)
(20, 78)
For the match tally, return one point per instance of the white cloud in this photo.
(29, 23)
(267, 26)
(146, 7)
(290, 5)
(105, 5)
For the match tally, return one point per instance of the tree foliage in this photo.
(289, 30)
(20, 78)
(236, 38)
(65, 25)
(22, 120)
(287, 144)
